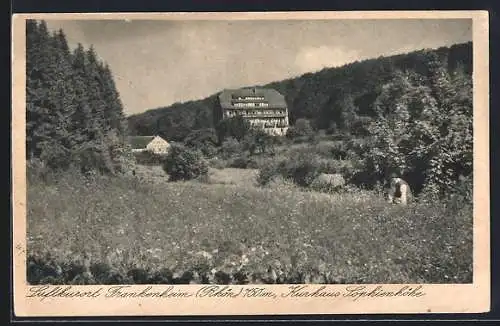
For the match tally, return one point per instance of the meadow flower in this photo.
(244, 259)
(303, 229)
(204, 254)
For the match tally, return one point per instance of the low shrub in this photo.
(268, 170)
(329, 166)
(243, 162)
(323, 149)
(149, 158)
(217, 163)
(463, 191)
(185, 164)
(204, 140)
(328, 183)
(281, 184)
(339, 150)
(299, 139)
(230, 147)
(38, 171)
(300, 167)
(301, 128)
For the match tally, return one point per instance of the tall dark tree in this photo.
(95, 92)
(74, 112)
(37, 110)
(113, 113)
(83, 124)
(49, 96)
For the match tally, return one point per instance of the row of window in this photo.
(273, 123)
(248, 98)
(255, 112)
(243, 105)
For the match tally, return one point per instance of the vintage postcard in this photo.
(253, 163)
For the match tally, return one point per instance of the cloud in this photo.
(310, 59)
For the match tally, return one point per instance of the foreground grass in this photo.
(124, 231)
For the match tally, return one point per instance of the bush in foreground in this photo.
(300, 167)
(184, 164)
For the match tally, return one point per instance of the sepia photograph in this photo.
(254, 152)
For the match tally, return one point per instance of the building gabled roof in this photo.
(140, 142)
(272, 96)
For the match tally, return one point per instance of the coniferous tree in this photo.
(113, 113)
(80, 119)
(37, 111)
(95, 94)
(74, 112)
(49, 97)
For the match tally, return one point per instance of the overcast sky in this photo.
(158, 63)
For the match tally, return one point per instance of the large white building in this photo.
(262, 107)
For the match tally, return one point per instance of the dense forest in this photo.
(333, 99)
(74, 115)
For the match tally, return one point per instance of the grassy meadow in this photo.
(227, 230)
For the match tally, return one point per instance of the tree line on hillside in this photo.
(333, 99)
(74, 115)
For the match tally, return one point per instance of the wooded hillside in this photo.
(334, 99)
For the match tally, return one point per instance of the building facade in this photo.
(262, 107)
(154, 144)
